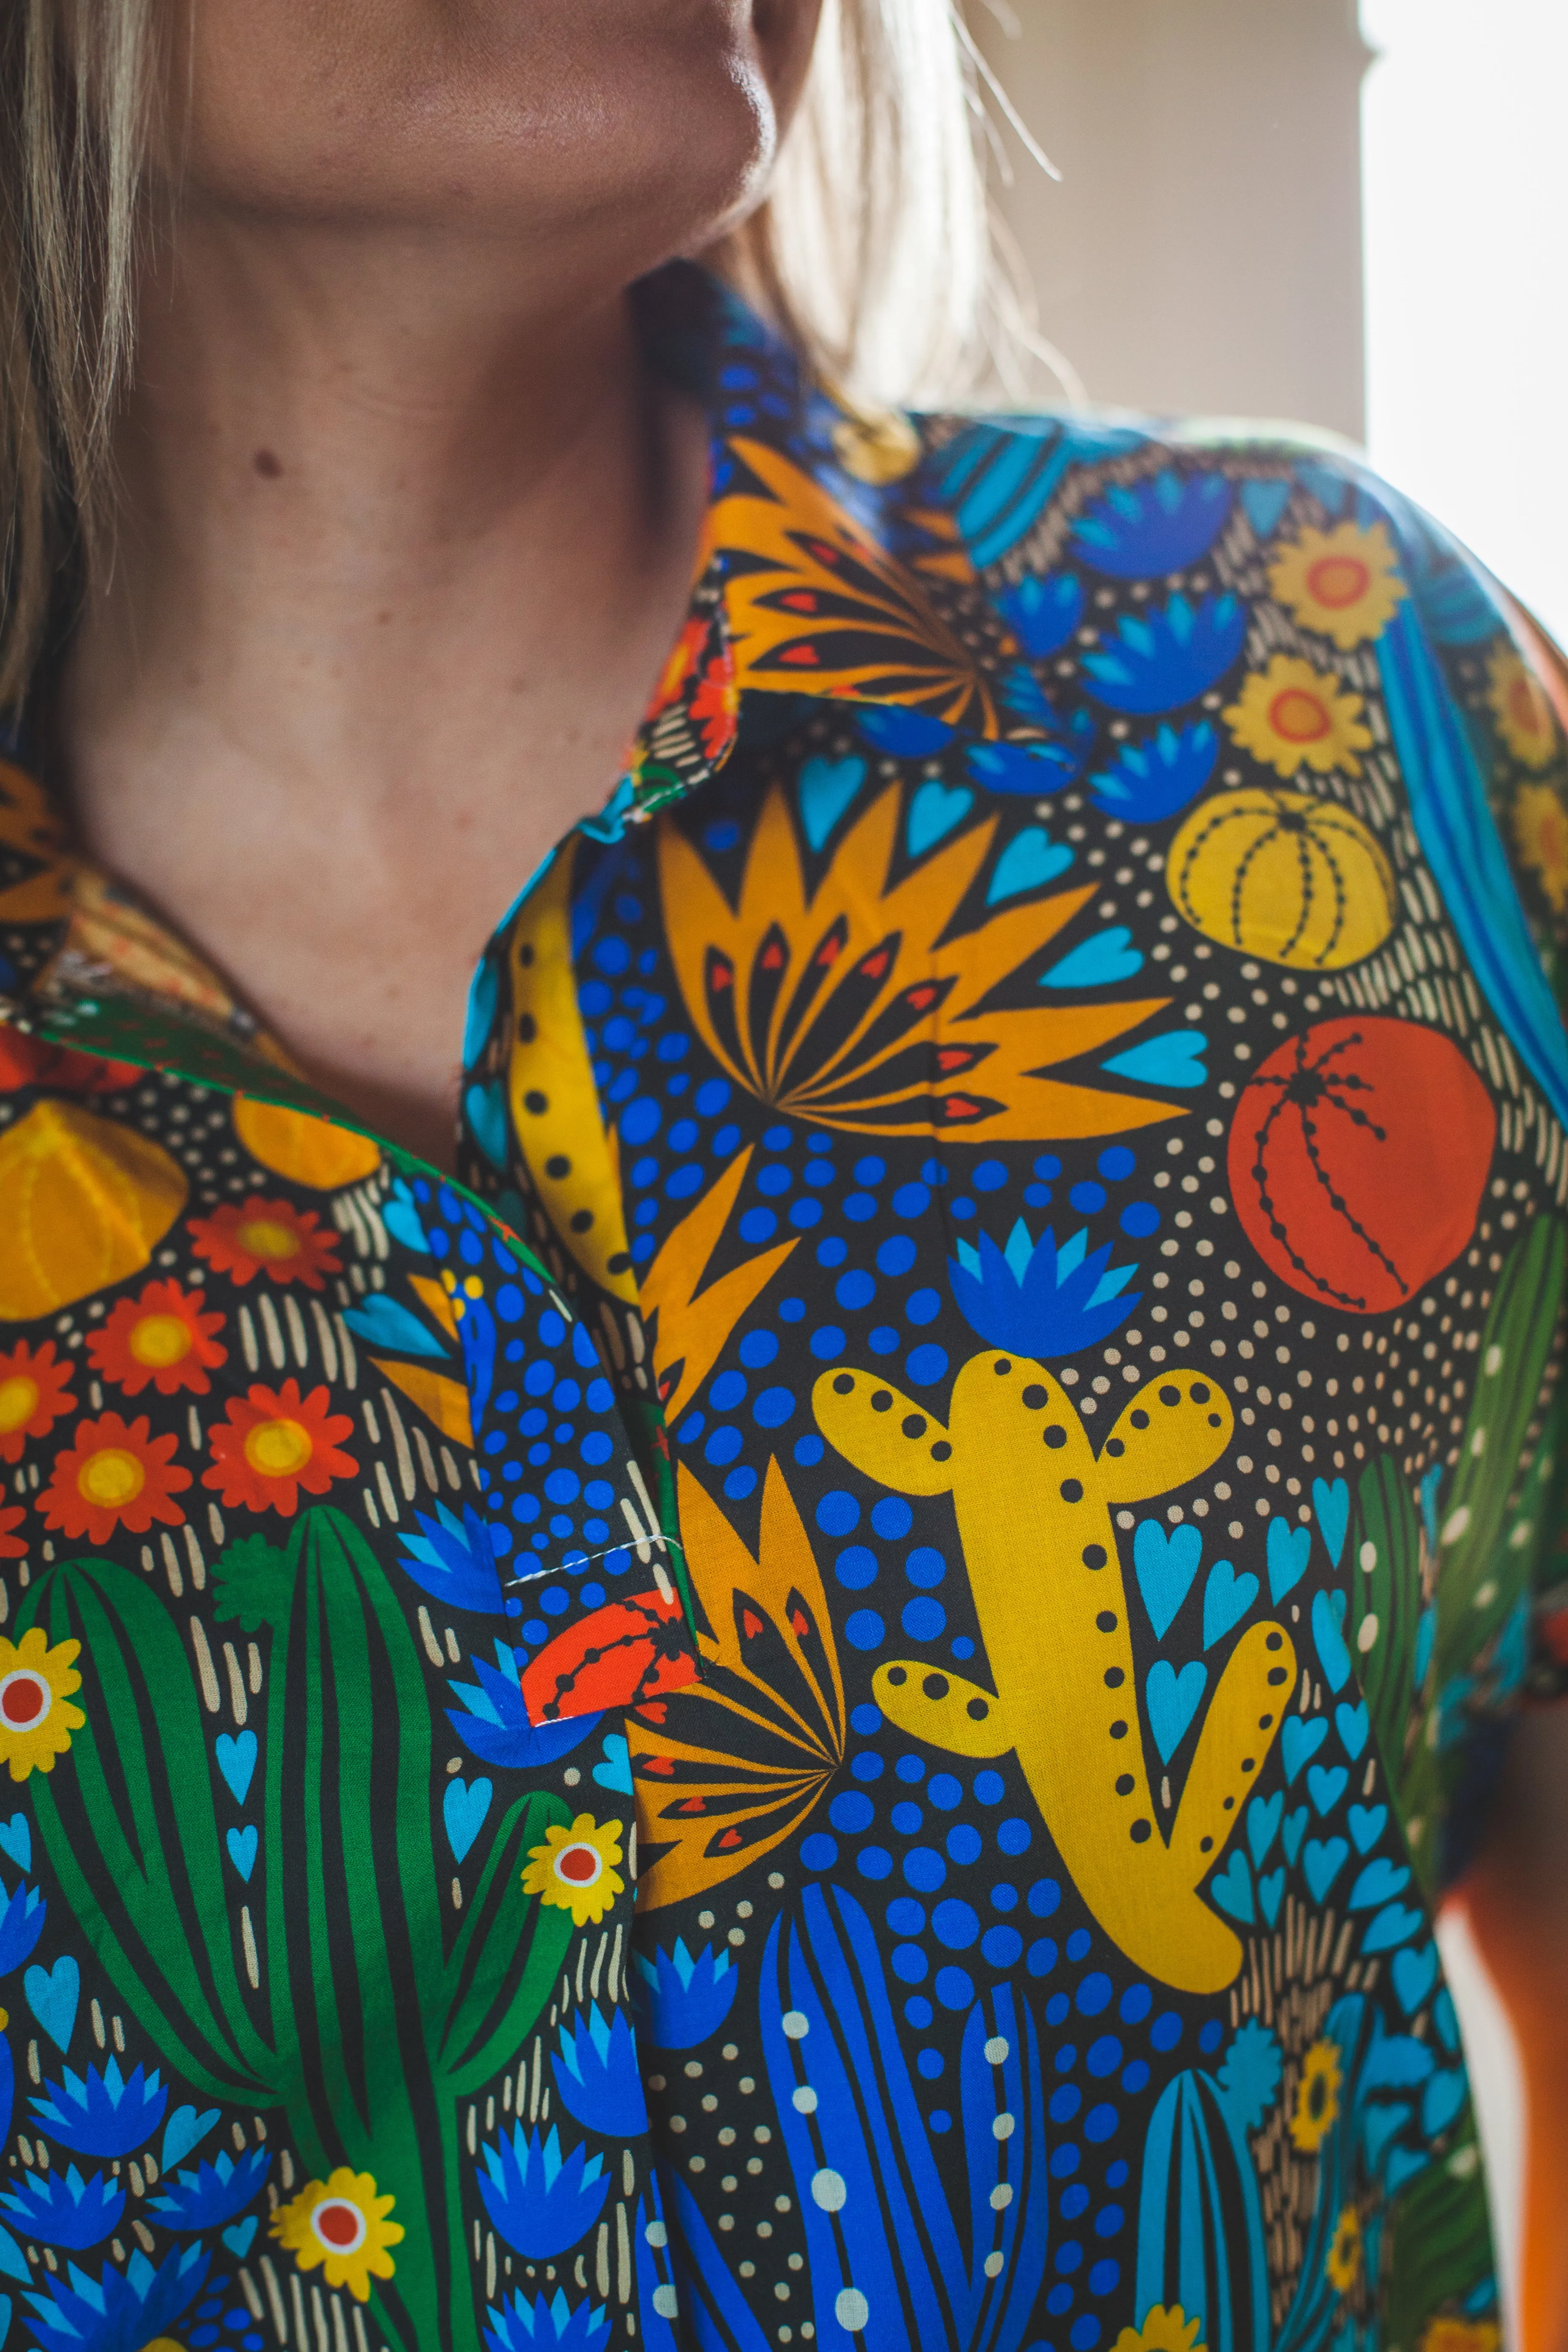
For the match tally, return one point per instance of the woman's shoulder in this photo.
(1132, 498)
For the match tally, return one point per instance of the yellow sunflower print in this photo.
(342, 2222)
(1523, 715)
(1292, 716)
(1165, 2330)
(36, 1718)
(575, 1869)
(1341, 2265)
(1541, 830)
(1450, 2335)
(1317, 2096)
(1344, 584)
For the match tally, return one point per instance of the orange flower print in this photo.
(275, 1441)
(34, 1392)
(162, 1336)
(114, 1473)
(11, 1545)
(716, 704)
(272, 1237)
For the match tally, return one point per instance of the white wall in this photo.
(1203, 251)
(1466, 219)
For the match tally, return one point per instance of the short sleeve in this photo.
(1509, 688)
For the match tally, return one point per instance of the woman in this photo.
(965, 1418)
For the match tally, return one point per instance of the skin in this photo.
(406, 535)
(406, 529)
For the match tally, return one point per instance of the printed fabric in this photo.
(827, 1705)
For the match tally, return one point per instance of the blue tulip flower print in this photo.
(548, 2323)
(103, 2112)
(214, 2193)
(494, 1722)
(387, 1324)
(120, 2311)
(1043, 613)
(1037, 1299)
(598, 2076)
(1165, 656)
(1138, 530)
(21, 1923)
(681, 2001)
(1153, 780)
(453, 1560)
(540, 2201)
(64, 2209)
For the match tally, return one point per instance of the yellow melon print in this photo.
(1285, 875)
(302, 1147)
(30, 828)
(83, 1203)
(1034, 1506)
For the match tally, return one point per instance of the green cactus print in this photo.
(326, 1999)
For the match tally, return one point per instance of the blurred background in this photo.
(1344, 215)
(1348, 213)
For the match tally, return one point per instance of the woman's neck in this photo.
(403, 542)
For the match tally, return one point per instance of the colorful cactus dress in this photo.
(825, 1706)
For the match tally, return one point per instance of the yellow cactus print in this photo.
(1033, 1500)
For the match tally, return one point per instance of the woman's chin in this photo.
(646, 145)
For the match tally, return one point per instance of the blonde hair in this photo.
(874, 249)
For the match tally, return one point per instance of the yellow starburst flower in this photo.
(1525, 717)
(575, 1869)
(1291, 715)
(1540, 829)
(1341, 2265)
(1448, 2333)
(1344, 584)
(340, 2221)
(36, 1719)
(1317, 2096)
(1165, 2330)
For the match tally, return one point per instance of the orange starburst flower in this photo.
(162, 1336)
(11, 1545)
(815, 605)
(114, 1473)
(855, 1008)
(34, 1392)
(271, 1237)
(730, 1767)
(274, 1442)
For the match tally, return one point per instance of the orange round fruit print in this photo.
(1358, 1155)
